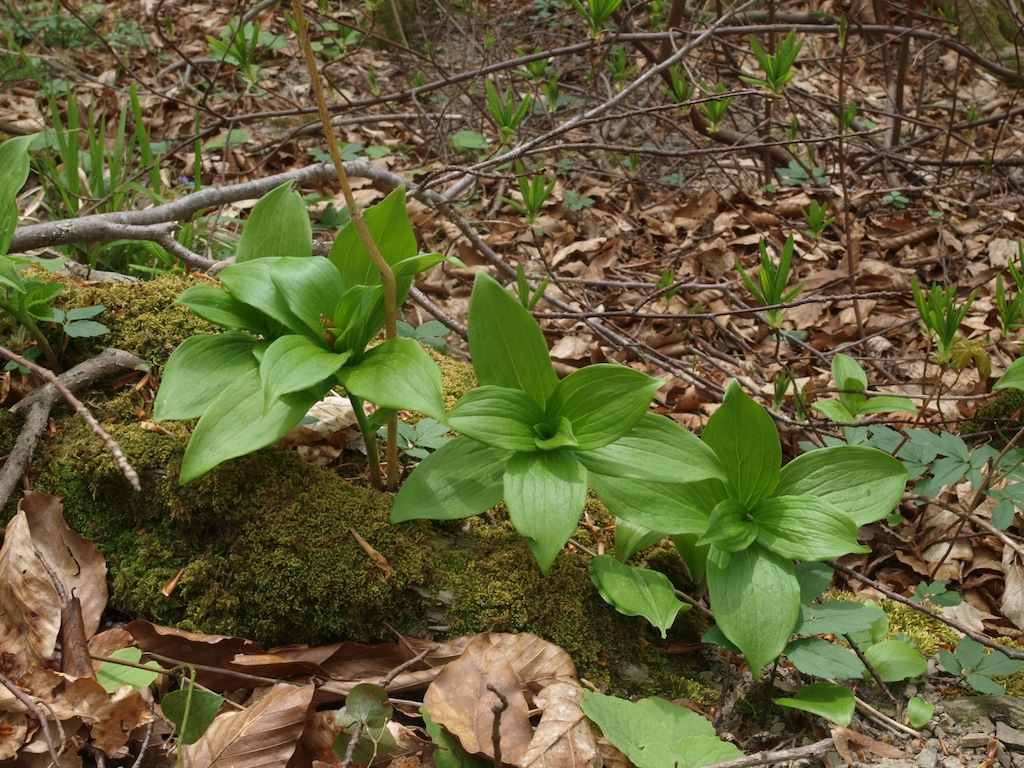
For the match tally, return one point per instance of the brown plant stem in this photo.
(359, 223)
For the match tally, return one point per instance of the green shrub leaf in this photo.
(112, 675)
(545, 492)
(217, 306)
(278, 225)
(459, 479)
(670, 509)
(498, 416)
(602, 402)
(294, 363)
(744, 438)
(507, 346)
(637, 591)
(821, 658)
(398, 374)
(805, 528)
(389, 226)
(199, 370)
(863, 482)
(895, 660)
(192, 711)
(310, 288)
(756, 599)
(828, 700)
(251, 283)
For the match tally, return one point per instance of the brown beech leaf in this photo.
(564, 738)
(29, 606)
(78, 564)
(13, 733)
(537, 662)
(844, 738)
(461, 700)
(265, 734)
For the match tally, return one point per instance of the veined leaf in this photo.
(14, 161)
(637, 591)
(293, 363)
(389, 226)
(199, 370)
(498, 416)
(278, 225)
(805, 528)
(251, 283)
(217, 306)
(311, 289)
(669, 509)
(399, 374)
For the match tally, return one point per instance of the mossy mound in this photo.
(1001, 417)
(263, 546)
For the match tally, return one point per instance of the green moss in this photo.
(1002, 415)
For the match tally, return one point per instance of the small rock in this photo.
(927, 758)
(953, 761)
(974, 740)
(1011, 738)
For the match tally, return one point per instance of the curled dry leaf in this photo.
(78, 564)
(564, 738)
(29, 605)
(265, 734)
(461, 700)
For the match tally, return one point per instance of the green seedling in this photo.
(778, 69)
(1011, 308)
(537, 70)
(470, 141)
(596, 13)
(941, 317)
(537, 442)
(241, 46)
(936, 594)
(296, 327)
(817, 218)
(620, 66)
(852, 382)
(896, 199)
(535, 189)
(975, 667)
(421, 439)
(770, 287)
(364, 718)
(666, 284)
(680, 89)
(191, 710)
(506, 113)
(527, 296)
(431, 333)
(574, 203)
(715, 110)
(796, 175)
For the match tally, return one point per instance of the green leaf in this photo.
(497, 416)
(814, 579)
(602, 402)
(895, 660)
(368, 704)
(389, 227)
(828, 700)
(631, 538)
(14, 162)
(949, 662)
(887, 404)
(745, 439)
(545, 492)
(1014, 376)
(805, 528)
(199, 370)
(311, 289)
(729, 527)
(277, 226)
(837, 617)
(756, 600)
(251, 283)
(637, 591)
(460, 479)
(656, 449)
(450, 752)
(969, 652)
(507, 346)
(655, 733)
(80, 329)
(863, 482)
(358, 317)
(695, 556)
(398, 374)
(217, 306)
(670, 509)
(919, 712)
(848, 374)
(294, 363)
(984, 684)
(201, 708)
(820, 658)
(234, 424)
(85, 313)
(112, 676)
(996, 664)
(833, 410)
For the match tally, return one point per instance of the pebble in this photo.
(974, 740)
(1010, 737)
(927, 758)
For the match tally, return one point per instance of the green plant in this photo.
(852, 382)
(528, 297)
(419, 440)
(937, 594)
(666, 285)
(537, 70)
(296, 326)
(796, 175)
(896, 199)
(1011, 308)
(240, 45)
(431, 333)
(596, 13)
(680, 89)
(537, 442)
(469, 141)
(654, 733)
(364, 719)
(778, 69)
(573, 202)
(817, 218)
(770, 288)
(976, 667)
(715, 110)
(507, 115)
(619, 65)
(941, 317)
(535, 192)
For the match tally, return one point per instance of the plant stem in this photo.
(386, 274)
(30, 325)
(370, 438)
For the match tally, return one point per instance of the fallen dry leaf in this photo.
(464, 694)
(265, 734)
(564, 737)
